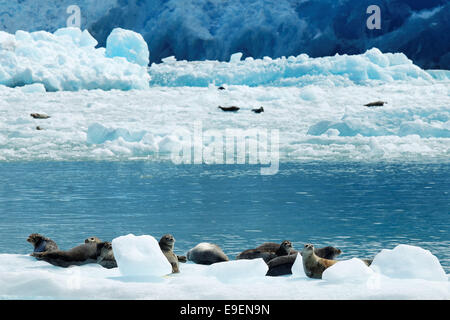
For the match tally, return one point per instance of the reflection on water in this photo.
(360, 208)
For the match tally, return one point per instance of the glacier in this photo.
(215, 29)
(23, 277)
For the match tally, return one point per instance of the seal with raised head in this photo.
(206, 253)
(166, 243)
(106, 258)
(267, 251)
(259, 110)
(283, 265)
(92, 240)
(313, 265)
(41, 243)
(77, 256)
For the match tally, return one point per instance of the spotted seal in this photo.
(313, 265)
(41, 243)
(206, 253)
(267, 251)
(375, 104)
(232, 108)
(166, 243)
(283, 265)
(106, 258)
(77, 256)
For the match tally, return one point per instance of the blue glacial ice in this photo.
(69, 60)
(371, 67)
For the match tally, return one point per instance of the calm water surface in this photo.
(360, 208)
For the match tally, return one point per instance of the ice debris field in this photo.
(404, 272)
(105, 104)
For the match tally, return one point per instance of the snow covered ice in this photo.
(23, 277)
(68, 60)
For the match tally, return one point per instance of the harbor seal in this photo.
(206, 253)
(368, 262)
(39, 116)
(232, 108)
(41, 243)
(375, 104)
(327, 252)
(92, 240)
(79, 255)
(166, 243)
(267, 251)
(283, 265)
(106, 258)
(221, 88)
(313, 265)
(259, 110)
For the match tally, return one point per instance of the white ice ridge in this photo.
(23, 277)
(69, 60)
(342, 70)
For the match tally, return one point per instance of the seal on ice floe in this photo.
(375, 104)
(229, 109)
(313, 265)
(80, 255)
(106, 258)
(266, 251)
(92, 240)
(259, 110)
(283, 265)
(41, 243)
(166, 243)
(39, 116)
(206, 253)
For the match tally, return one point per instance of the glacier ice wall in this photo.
(214, 29)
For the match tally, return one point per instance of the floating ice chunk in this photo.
(140, 256)
(127, 44)
(98, 134)
(348, 270)
(297, 267)
(236, 57)
(32, 88)
(408, 262)
(239, 270)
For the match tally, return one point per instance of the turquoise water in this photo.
(360, 208)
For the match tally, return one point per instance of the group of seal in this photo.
(234, 109)
(93, 250)
(278, 257)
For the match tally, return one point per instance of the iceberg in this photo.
(69, 60)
